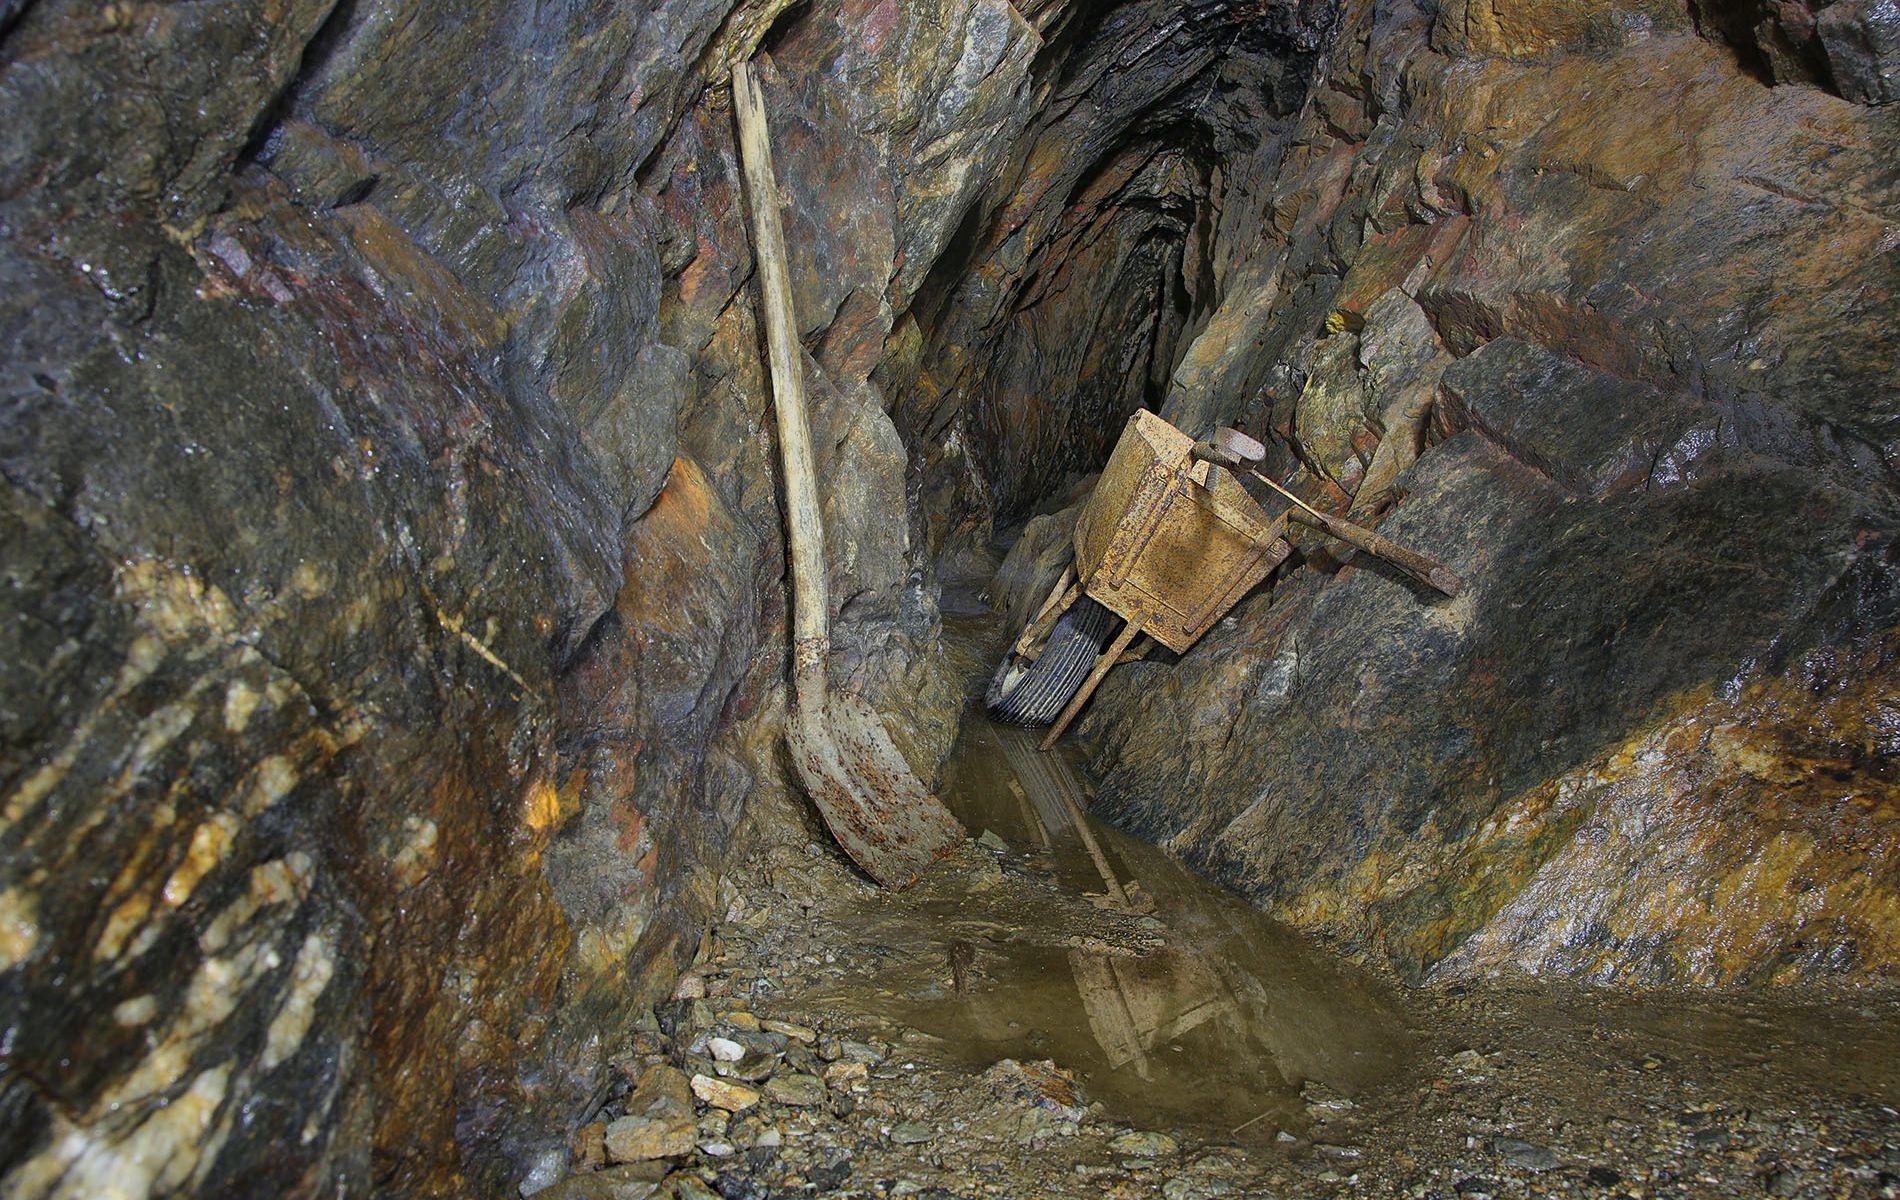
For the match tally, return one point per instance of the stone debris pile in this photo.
(713, 1100)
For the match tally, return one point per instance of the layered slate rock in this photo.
(393, 612)
(1650, 418)
(393, 620)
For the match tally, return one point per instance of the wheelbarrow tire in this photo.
(1035, 694)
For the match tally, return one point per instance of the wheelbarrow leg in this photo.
(1056, 593)
(1067, 592)
(1109, 657)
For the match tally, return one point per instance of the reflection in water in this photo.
(1133, 1004)
(1219, 1027)
(1198, 1012)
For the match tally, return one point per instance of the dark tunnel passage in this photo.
(1072, 291)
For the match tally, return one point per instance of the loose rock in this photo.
(1144, 1144)
(638, 1139)
(797, 1033)
(729, 1097)
(1529, 1155)
(912, 1133)
(796, 1090)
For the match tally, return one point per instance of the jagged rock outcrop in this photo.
(334, 406)
(392, 629)
(1600, 319)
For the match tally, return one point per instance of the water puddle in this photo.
(1180, 1007)
(1217, 1029)
(1213, 1019)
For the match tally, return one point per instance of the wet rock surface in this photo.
(1614, 369)
(393, 618)
(392, 624)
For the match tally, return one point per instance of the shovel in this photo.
(870, 799)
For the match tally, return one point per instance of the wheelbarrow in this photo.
(1169, 542)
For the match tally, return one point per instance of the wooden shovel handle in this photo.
(1431, 573)
(811, 617)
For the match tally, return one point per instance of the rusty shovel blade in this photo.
(872, 802)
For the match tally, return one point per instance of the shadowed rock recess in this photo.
(392, 602)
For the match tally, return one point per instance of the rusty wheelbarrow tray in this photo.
(1169, 541)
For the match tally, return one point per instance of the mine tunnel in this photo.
(522, 523)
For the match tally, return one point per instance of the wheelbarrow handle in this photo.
(1229, 448)
(1221, 452)
(1207, 451)
(1432, 574)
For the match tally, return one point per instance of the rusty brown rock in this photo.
(723, 1094)
(659, 1120)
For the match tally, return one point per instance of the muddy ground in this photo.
(1064, 1011)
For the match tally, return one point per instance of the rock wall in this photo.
(392, 607)
(393, 611)
(1575, 300)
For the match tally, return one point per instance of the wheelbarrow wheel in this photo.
(1034, 693)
